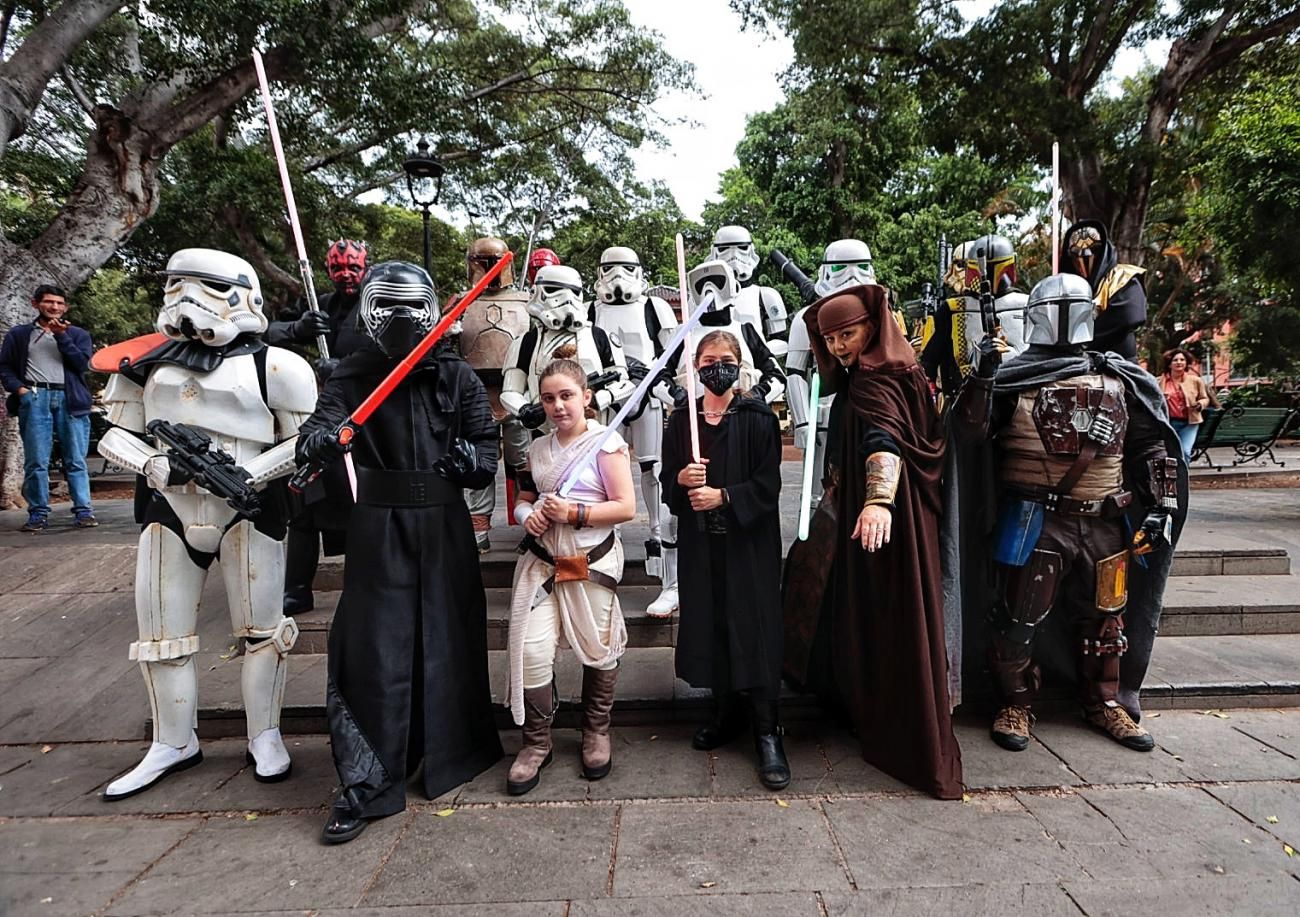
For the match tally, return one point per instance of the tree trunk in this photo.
(116, 193)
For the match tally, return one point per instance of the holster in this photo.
(571, 568)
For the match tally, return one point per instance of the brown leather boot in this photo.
(597, 701)
(539, 710)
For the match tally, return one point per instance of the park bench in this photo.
(1250, 431)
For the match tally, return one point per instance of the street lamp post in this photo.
(424, 183)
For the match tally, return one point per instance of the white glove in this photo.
(603, 399)
(158, 471)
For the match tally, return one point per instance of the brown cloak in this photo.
(884, 609)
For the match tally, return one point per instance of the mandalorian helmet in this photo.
(1060, 311)
(345, 262)
(999, 257)
(735, 246)
(482, 255)
(557, 298)
(846, 263)
(619, 279)
(1085, 245)
(398, 306)
(712, 277)
(538, 260)
(211, 297)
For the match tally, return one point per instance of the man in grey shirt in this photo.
(43, 366)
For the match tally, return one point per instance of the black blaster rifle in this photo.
(790, 271)
(190, 452)
(988, 305)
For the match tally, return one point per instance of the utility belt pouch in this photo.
(1019, 526)
(571, 568)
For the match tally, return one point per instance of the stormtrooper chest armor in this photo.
(748, 307)
(550, 341)
(227, 403)
(626, 326)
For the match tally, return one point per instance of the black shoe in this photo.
(344, 824)
(726, 725)
(773, 768)
(299, 602)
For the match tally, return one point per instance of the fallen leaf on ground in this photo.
(1218, 870)
(1246, 840)
(46, 749)
(251, 816)
(1272, 819)
(1153, 715)
(1219, 713)
(1288, 850)
(293, 882)
(965, 797)
(707, 884)
(783, 804)
(46, 900)
(1177, 757)
(443, 813)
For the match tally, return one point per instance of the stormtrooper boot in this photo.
(161, 761)
(666, 604)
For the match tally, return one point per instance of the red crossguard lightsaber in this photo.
(347, 430)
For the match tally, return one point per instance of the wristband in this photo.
(523, 511)
(581, 513)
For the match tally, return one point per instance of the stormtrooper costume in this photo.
(845, 263)
(642, 326)
(488, 329)
(761, 306)
(217, 376)
(760, 373)
(561, 318)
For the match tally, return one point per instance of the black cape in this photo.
(408, 673)
(745, 458)
(1057, 648)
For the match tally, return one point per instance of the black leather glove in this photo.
(680, 398)
(306, 329)
(990, 357)
(760, 391)
(1154, 534)
(459, 463)
(325, 368)
(532, 416)
(319, 447)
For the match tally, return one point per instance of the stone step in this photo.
(1231, 562)
(498, 565)
(1205, 606)
(642, 630)
(1194, 673)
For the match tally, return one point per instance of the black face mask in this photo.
(719, 377)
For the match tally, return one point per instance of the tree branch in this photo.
(26, 74)
(1229, 49)
(78, 92)
(256, 252)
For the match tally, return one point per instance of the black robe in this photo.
(745, 564)
(408, 673)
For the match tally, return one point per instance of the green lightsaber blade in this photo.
(809, 451)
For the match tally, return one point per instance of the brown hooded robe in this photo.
(878, 616)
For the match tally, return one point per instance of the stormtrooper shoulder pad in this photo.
(290, 382)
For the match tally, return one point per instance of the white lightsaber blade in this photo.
(682, 333)
(1056, 207)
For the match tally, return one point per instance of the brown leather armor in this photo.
(488, 328)
(1093, 406)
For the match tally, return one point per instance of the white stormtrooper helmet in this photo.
(619, 279)
(735, 246)
(846, 263)
(712, 277)
(557, 298)
(1060, 311)
(211, 297)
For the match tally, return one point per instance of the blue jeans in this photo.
(41, 414)
(1186, 436)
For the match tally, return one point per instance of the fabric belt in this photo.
(1110, 507)
(53, 386)
(595, 554)
(379, 487)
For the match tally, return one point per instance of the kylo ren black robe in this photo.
(408, 674)
(745, 458)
